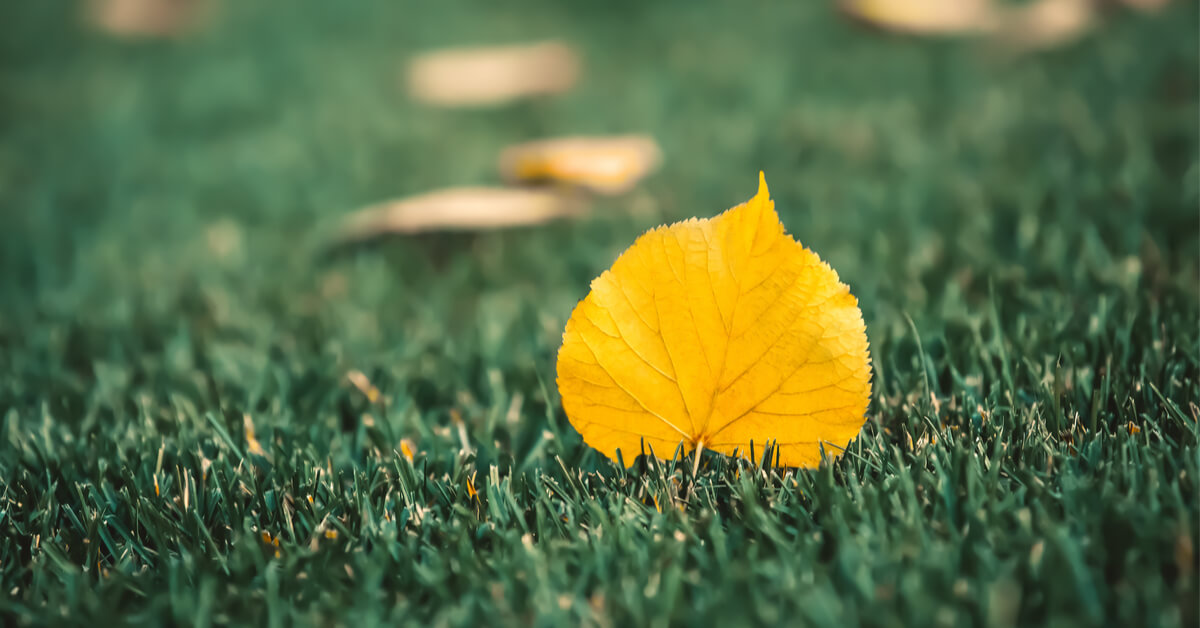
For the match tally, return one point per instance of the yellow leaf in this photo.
(252, 444)
(407, 449)
(490, 76)
(606, 165)
(471, 492)
(717, 333)
(924, 17)
(459, 209)
(364, 385)
(149, 18)
(1046, 24)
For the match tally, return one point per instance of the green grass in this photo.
(1023, 236)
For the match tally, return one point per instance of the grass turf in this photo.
(1023, 236)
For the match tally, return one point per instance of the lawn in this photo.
(183, 442)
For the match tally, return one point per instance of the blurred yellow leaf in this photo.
(924, 17)
(363, 384)
(483, 76)
(407, 449)
(1046, 24)
(148, 18)
(471, 492)
(717, 333)
(608, 165)
(460, 209)
(252, 444)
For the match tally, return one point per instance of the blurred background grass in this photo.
(163, 206)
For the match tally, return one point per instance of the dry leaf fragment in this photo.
(460, 209)
(607, 165)
(148, 18)
(363, 384)
(252, 444)
(1046, 24)
(471, 492)
(924, 17)
(483, 76)
(721, 334)
(407, 449)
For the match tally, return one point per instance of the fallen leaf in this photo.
(407, 449)
(460, 209)
(148, 18)
(363, 384)
(484, 76)
(924, 17)
(721, 333)
(471, 492)
(1045, 24)
(607, 165)
(252, 444)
